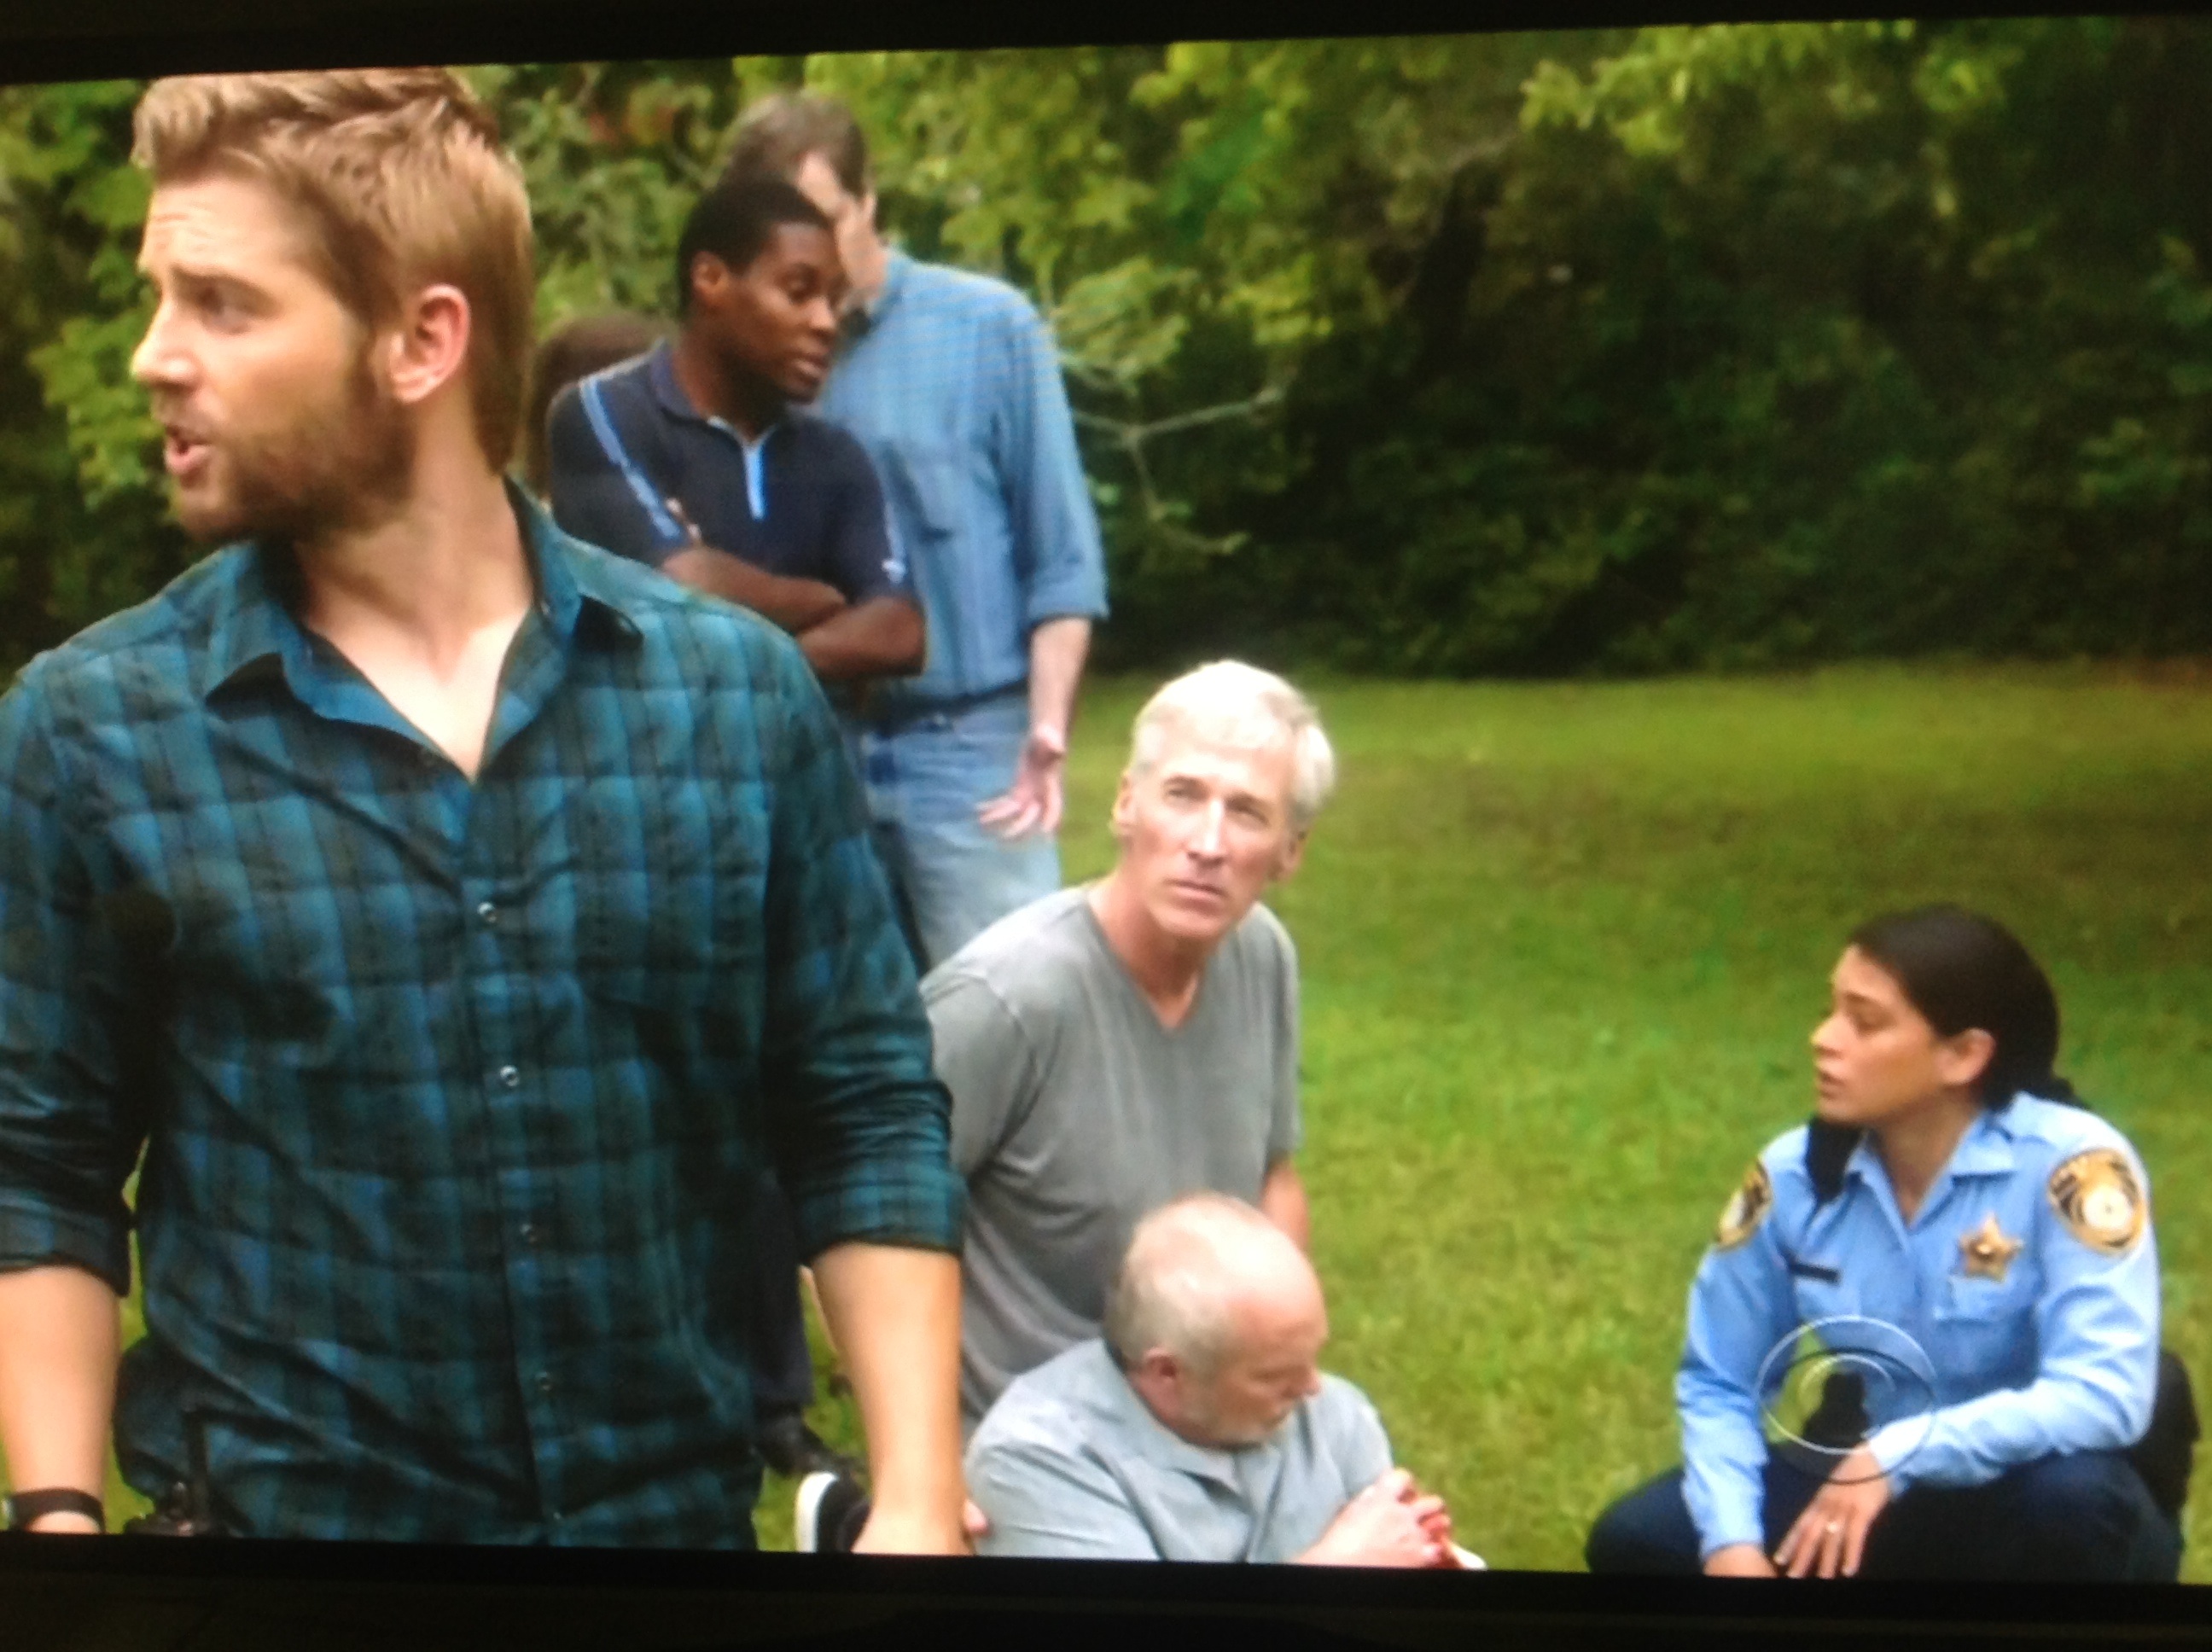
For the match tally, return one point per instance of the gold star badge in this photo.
(1987, 1252)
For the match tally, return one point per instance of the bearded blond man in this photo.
(454, 916)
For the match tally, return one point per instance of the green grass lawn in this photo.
(1563, 946)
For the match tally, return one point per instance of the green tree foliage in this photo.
(81, 527)
(1640, 350)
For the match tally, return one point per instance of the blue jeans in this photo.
(2086, 1517)
(924, 777)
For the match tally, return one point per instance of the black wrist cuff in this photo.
(24, 1507)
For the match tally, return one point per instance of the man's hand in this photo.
(1739, 1560)
(1830, 1537)
(891, 1532)
(1033, 802)
(1391, 1523)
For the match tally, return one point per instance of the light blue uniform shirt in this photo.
(952, 385)
(1071, 1464)
(2029, 1278)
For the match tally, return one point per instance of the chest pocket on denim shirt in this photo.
(926, 481)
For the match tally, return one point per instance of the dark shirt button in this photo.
(427, 757)
(488, 914)
(511, 1078)
(543, 1381)
(530, 1234)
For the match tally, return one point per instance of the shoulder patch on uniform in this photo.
(1747, 1208)
(2098, 1197)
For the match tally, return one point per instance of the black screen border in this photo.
(335, 1597)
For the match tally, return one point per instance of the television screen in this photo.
(1427, 801)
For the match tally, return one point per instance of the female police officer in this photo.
(1970, 1253)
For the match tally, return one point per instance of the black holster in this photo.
(2167, 1451)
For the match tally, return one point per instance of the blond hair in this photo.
(399, 180)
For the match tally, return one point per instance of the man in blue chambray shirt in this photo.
(455, 916)
(951, 382)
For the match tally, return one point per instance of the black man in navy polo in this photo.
(695, 458)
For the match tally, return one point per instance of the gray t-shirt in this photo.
(1075, 1112)
(1071, 1464)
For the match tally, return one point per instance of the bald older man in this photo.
(1198, 1427)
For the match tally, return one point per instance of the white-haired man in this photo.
(1111, 1047)
(1199, 1426)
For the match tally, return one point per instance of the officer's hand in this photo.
(1391, 1523)
(1830, 1537)
(1739, 1560)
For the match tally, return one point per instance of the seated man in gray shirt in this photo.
(1109, 1048)
(1198, 1427)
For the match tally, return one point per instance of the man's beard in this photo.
(340, 466)
(1214, 1423)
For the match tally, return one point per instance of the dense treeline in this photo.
(1676, 347)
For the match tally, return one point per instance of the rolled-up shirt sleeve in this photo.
(69, 1133)
(1056, 547)
(857, 1121)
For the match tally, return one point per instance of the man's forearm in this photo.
(797, 605)
(894, 1316)
(1057, 650)
(60, 1342)
(1283, 1201)
(881, 637)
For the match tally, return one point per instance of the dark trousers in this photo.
(2083, 1517)
(782, 1367)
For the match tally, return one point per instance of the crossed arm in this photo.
(882, 637)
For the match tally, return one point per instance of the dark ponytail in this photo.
(1960, 970)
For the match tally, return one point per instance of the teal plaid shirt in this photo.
(452, 1097)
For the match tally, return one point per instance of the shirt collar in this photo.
(257, 628)
(871, 314)
(660, 375)
(1155, 1441)
(1986, 1149)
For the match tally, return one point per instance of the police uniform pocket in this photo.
(1986, 1327)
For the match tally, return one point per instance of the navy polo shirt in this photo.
(803, 501)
